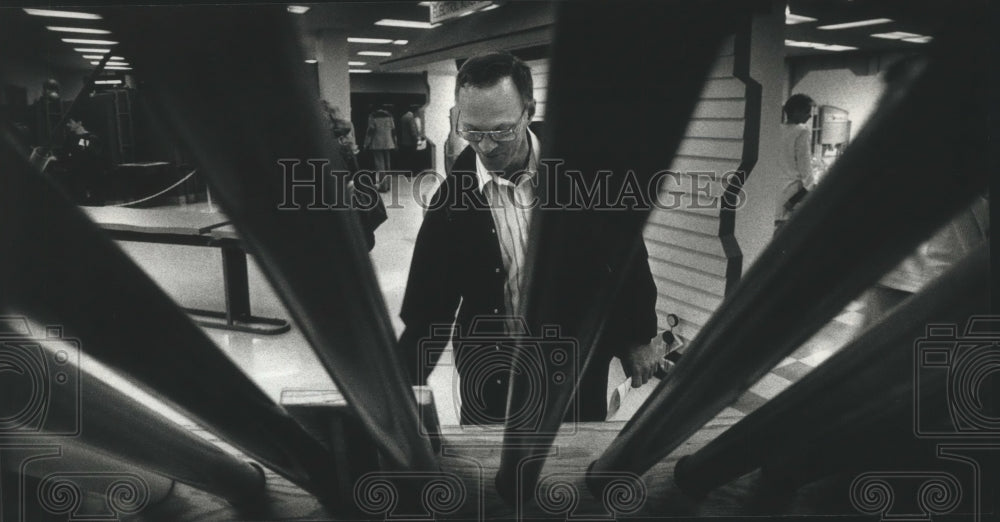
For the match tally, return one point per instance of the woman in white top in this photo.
(795, 173)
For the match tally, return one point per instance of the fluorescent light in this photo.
(112, 64)
(359, 71)
(99, 57)
(117, 68)
(298, 9)
(358, 64)
(62, 14)
(489, 7)
(375, 53)
(353, 39)
(820, 46)
(81, 50)
(791, 19)
(89, 42)
(795, 43)
(835, 47)
(918, 39)
(896, 35)
(82, 30)
(425, 4)
(412, 24)
(400, 42)
(312, 61)
(107, 82)
(860, 23)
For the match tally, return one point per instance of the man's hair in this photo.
(798, 103)
(487, 70)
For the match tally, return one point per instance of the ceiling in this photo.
(25, 37)
(912, 17)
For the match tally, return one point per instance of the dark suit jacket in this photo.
(457, 265)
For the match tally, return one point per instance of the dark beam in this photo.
(607, 80)
(61, 269)
(241, 114)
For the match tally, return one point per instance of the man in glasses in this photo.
(470, 257)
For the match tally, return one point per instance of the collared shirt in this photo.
(510, 204)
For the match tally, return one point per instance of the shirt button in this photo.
(498, 381)
(493, 231)
(496, 310)
(497, 270)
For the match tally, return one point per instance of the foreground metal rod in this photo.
(856, 385)
(884, 440)
(872, 209)
(614, 69)
(127, 430)
(60, 269)
(260, 144)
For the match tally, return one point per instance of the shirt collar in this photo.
(484, 176)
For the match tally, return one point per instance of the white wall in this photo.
(755, 221)
(441, 79)
(844, 89)
(334, 81)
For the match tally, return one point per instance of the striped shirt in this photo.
(510, 204)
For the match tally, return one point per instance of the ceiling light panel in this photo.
(859, 23)
(80, 30)
(354, 39)
(62, 14)
(410, 24)
(85, 41)
(896, 35)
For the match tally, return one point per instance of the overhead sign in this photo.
(441, 11)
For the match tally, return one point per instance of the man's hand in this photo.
(642, 361)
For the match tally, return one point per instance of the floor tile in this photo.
(817, 358)
(748, 402)
(793, 371)
(770, 385)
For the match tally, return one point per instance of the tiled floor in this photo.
(193, 277)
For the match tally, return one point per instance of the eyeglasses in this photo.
(498, 136)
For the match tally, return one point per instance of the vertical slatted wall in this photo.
(540, 78)
(692, 252)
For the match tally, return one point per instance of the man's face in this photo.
(494, 108)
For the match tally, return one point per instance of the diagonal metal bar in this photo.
(251, 120)
(870, 212)
(113, 423)
(614, 71)
(856, 386)
(60, 268)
